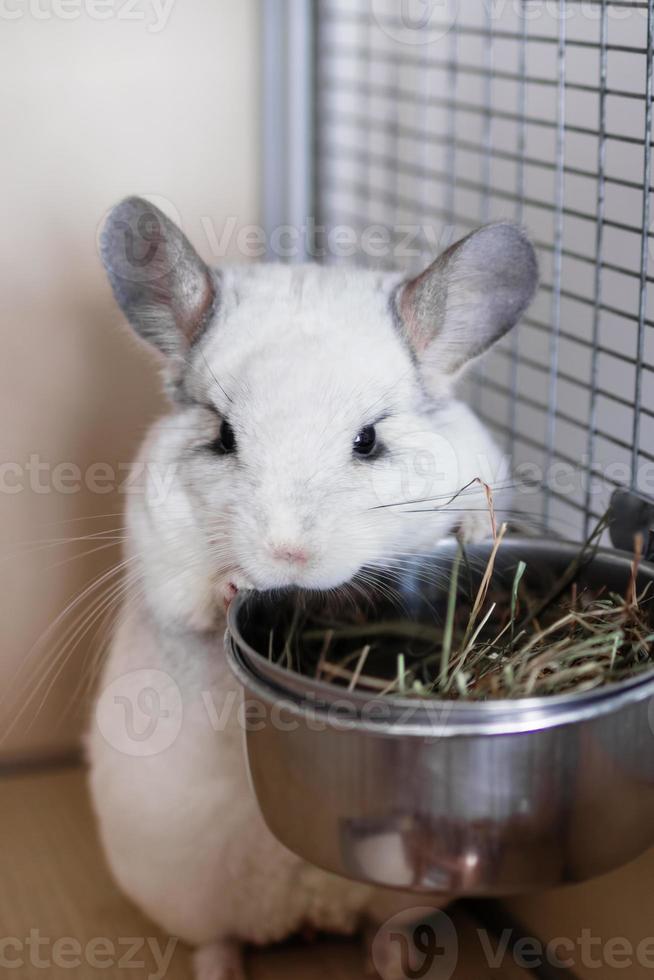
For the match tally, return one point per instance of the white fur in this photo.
(299, 360)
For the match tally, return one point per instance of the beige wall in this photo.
(93, 110)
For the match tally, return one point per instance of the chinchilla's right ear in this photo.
(468, 298)
(162, 285)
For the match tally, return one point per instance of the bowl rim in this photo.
(432, 717)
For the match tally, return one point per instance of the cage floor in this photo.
(54, 880)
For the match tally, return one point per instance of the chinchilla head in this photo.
(314, 436)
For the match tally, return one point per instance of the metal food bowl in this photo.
(469, 798)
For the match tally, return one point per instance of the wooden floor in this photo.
(54, 887)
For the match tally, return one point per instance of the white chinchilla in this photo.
(309, 408)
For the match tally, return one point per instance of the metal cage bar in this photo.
(599, 243)
(557, 267)
(287, 92)
(645, 249)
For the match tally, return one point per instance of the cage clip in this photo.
(631, 515)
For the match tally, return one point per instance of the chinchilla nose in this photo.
(285, 538)
(289, 552)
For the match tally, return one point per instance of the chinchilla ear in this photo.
(162, 285)
(469, 297)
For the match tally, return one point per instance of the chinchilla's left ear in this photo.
(469, 297)
(162, 285)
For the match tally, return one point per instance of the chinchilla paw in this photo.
(219, 961)
(475, 527)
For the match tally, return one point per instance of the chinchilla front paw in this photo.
(222, 960)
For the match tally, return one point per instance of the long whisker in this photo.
(61, 651)
(466, 490)
(71, 640)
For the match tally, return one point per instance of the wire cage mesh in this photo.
(436, 116)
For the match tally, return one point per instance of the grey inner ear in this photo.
(162, 285)
(470, 296)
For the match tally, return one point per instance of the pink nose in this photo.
(292, 554)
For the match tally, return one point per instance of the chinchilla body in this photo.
(311, 408)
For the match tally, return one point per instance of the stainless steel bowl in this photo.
(434, 796)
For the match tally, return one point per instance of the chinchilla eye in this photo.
(366, 441)
(226, 441)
